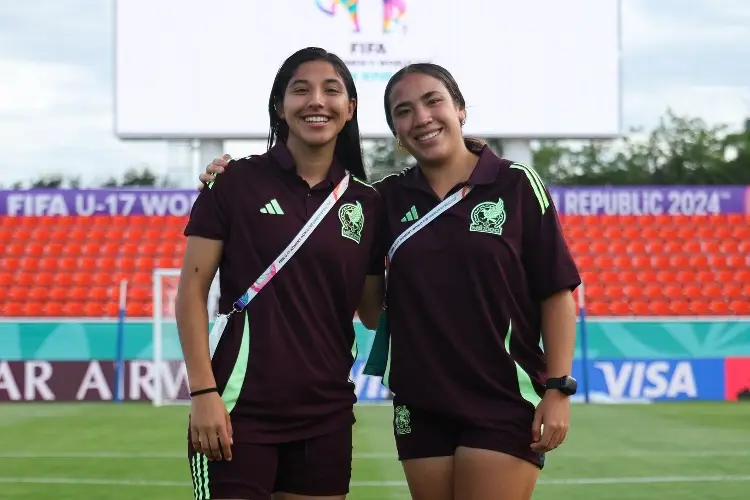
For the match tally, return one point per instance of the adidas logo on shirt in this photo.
(273, 208)
(411, 215)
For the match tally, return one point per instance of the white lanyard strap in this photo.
(292, 248)
(429, 217)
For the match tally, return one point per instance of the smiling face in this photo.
(316, 105)
(426, 119)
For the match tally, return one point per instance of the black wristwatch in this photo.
(567, 385)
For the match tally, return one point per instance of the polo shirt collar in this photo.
(485, 172)
(281, 155)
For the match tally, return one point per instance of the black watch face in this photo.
(566, 385)
(572, 385)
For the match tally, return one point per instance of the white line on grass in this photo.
(583, 481)
(646, 480)
(368, 456)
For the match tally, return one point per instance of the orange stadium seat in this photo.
(679, 307)
(660, 308)
(13, 309)
(63, 278)
(631, 265)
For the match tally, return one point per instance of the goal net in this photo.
(168, 366)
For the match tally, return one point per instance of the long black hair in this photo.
(348, 149)
(439, 73)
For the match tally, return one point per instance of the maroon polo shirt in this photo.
(467, 283)
(296, 382)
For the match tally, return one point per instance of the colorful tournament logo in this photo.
(393, 11)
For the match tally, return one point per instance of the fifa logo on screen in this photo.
(393, 12)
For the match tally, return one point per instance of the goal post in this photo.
(167, 364)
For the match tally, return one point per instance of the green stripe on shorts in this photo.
(199, 471)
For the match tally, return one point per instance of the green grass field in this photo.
(115, 452)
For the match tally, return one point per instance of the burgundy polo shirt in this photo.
(465, 292)
(295, 383)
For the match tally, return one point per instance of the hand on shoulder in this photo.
(215, 168)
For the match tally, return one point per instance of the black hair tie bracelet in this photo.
(203, 391)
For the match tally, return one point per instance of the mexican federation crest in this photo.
(402, 419)
(488, 217)
(352, 219)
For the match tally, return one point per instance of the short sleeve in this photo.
(547, 261)
(209, 217)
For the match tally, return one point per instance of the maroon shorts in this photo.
(425, 434)
(318, 466)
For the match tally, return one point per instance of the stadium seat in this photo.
(728, 246)
(29, 264)
(45, 278)
(18, 293)
(63, 279)
(101, 294)
(633, 292)
(93, 309)
(54, 249)
(660, 308)
(102, 277)
(125, 264)
(640, 308)
(166, 262)
(74, 309)
(13, 309)
(717, 261)
(628, 277)
(58, 293)
(77, 234)
(52, 309)
(33, 309)
(720, 307)
(679, 308)
(620, 308)
(599, 309)
(631, 265)
(145, 262)
(97, 235)
(132, 234)
(25, 279)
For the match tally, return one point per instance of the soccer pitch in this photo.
(619, 452)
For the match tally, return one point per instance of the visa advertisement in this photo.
(649, 380)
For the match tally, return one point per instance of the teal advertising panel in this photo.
(628, 360)
(83, 340)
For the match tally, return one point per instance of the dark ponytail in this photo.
(348, 150)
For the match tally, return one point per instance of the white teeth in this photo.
(428, 136)
(317, 119)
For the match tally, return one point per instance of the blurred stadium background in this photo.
(659, 224)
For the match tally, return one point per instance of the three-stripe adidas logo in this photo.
(273, 208)
(411, 215)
